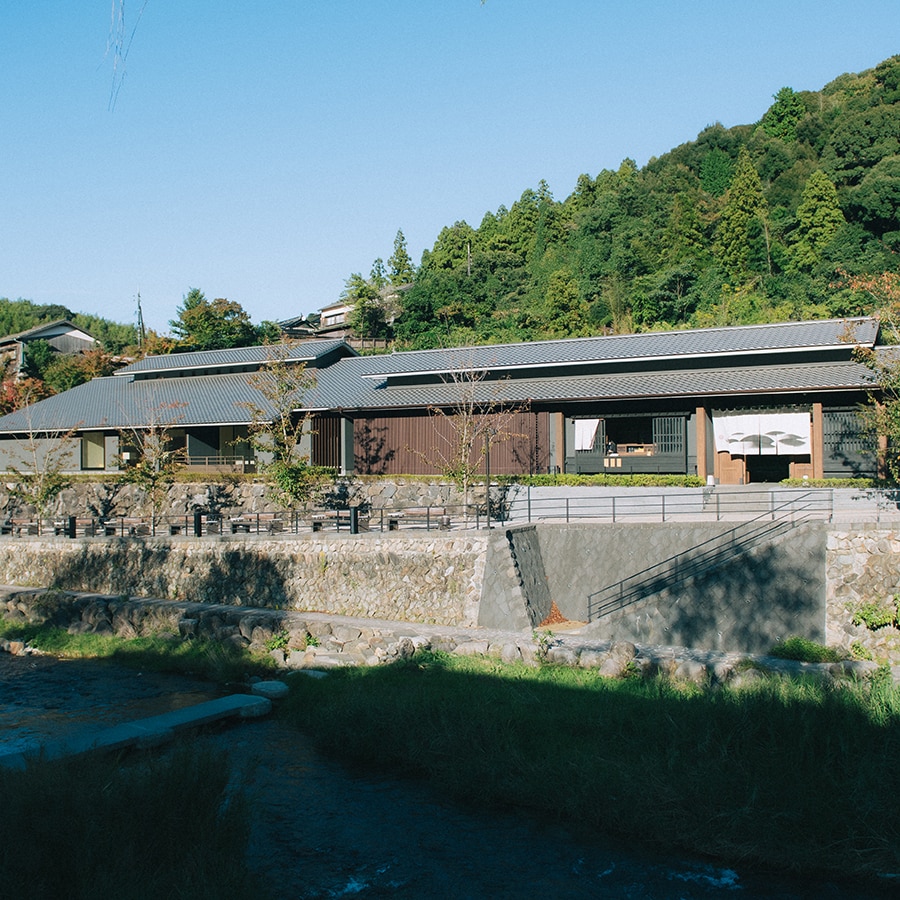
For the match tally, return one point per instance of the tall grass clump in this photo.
(783, 773)
(135, 829)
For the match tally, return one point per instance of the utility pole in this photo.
(140, 323)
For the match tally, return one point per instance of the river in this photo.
(324, 830)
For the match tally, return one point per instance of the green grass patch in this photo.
(133, 828)
(860, 483)
(220, 662)
(803, 650)
(782, 773)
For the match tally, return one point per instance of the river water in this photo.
(323, 830)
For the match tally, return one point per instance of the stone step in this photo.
(142, 733)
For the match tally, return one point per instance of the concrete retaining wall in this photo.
(746, 602)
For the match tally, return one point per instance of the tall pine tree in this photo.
(400, 265)
(819, 217)
(745, 207)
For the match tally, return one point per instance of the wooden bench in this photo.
(339, 517)
(269, 522)
(85, 527)
(19, 526)
(436, 516)
(132, 526)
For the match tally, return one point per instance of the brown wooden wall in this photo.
(387, 445)
(326, 441)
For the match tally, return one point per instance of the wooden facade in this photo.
(417, 443)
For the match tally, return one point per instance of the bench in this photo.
(339, 517)
(269, 522)
(430, 515)
(129, 525)
(19, 526)
(86, 527)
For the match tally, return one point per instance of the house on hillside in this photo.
(62, 336)
(743, 404)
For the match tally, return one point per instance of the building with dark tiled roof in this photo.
(742, 404)
(61, 335)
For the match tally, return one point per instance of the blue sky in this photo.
(263, 152)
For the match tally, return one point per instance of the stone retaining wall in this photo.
(436, 578)
(230, 496)
(863, 566)
(810, 584)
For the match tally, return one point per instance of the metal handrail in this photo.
(524, 505)
(690, 563)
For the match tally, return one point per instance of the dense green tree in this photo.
(819, 217)
(784, 115)
(39, 356)
(860, 140)
(876, 200)
(565, 312)
(205, 325)
(71, 369)
(367, 318)
(716, 172)
(744, 209)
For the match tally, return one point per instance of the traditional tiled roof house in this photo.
(740, 404)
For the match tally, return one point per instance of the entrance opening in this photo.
(768, 468)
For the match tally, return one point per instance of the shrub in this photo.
(804, 650)
(878, 615)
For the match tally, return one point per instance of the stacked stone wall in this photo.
(232, 496)
(435, 578)
(811, 584)
(863, 567)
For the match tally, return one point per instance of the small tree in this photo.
(157, 457)
(477, 419)
(40, 461)
(50, 455)
(278, 425)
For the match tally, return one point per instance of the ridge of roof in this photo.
(301, 351)
(814, 334)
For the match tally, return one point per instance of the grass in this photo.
(786, 774)
(209, 659)
(792, 774)
(165, 826)
(804, 650)
(142, 827)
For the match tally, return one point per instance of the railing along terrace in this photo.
(515, 505)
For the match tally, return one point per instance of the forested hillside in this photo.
(753, 223)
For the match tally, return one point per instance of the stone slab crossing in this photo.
(142, 733)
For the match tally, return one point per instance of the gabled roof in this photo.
(653, 346)
(338, 389)
(115, 403)
(211, 388)
(243, 358)
(60, 326)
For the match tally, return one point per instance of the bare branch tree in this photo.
(150, 456)
(279, 424)
(40, 460)
(476, 419)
